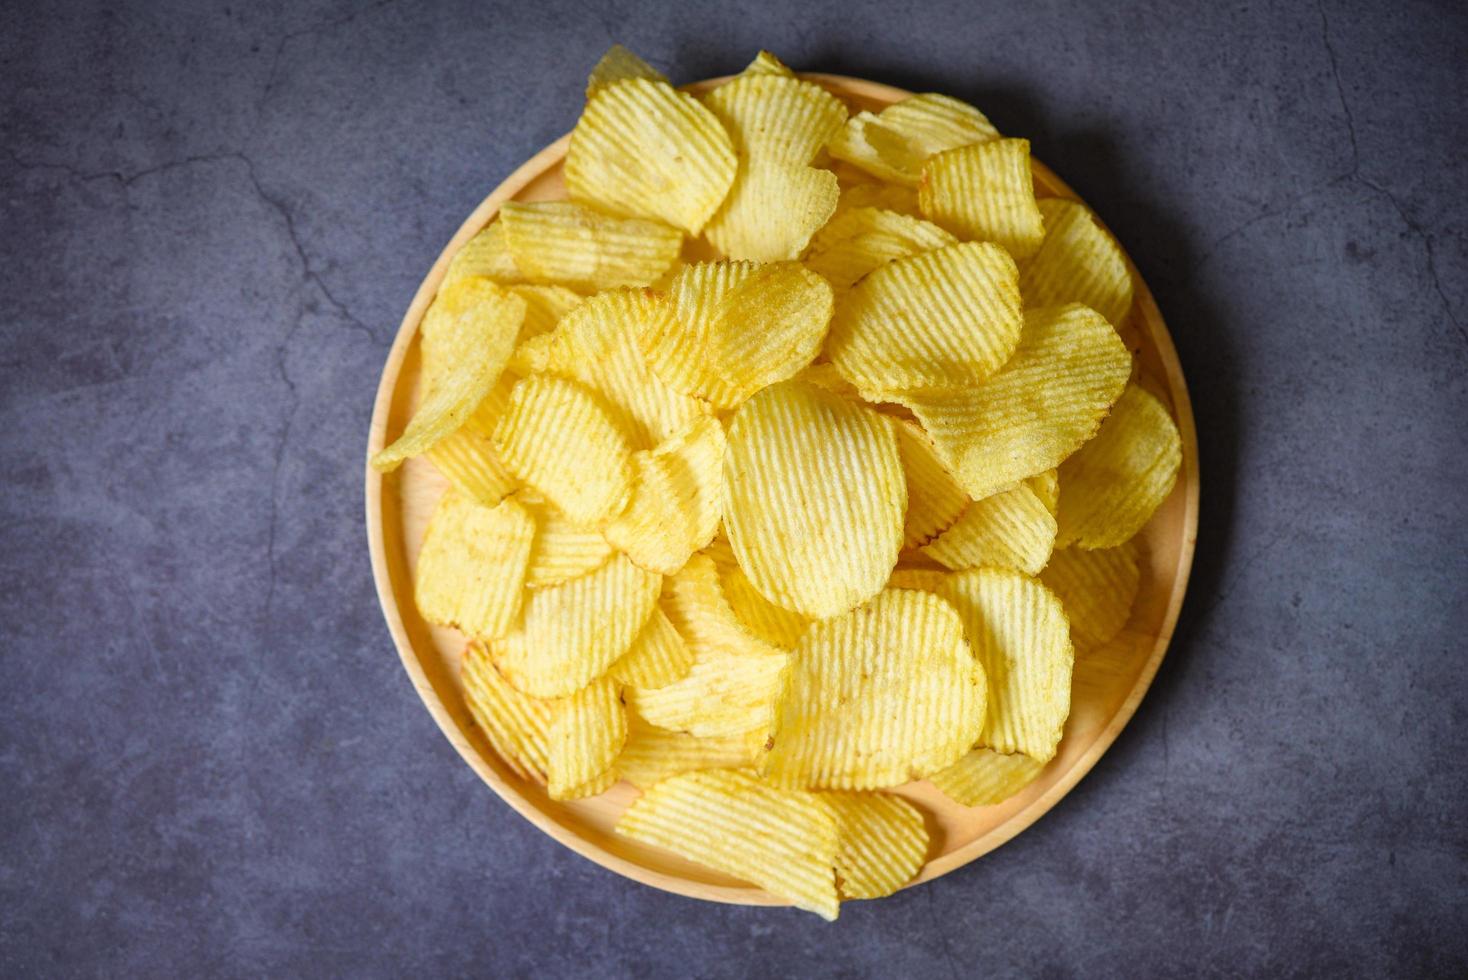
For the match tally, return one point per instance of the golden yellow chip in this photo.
(487, 254)
(587, 731)
(950, 316)
(1009, 529)
(880, 195)
(644, 150)
(918, 579)
(774, 624)
(735, 327)
(471, 570)
(1078, 262)
(459, 311)
(765, 63)
(781, 840)
(1019, 632)
(984, 777)
(618, 65)
(894, 144)
(676, 498)
(824, 375)
(544, 307)
(985, 193)
(814, 498)
(883, 843)
(515, 723)
(558, 438)
(558, 242)
(934, 498)
(883, 694)
(860, 239)
(1047, 487)
(466, 456)
(569, 634)
(1097, 589)
(720, 550)
(1048, 399)
(657, 657)
(563, 549)
(1112, 485)
(653, 754)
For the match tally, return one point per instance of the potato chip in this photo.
(466, 456)
(894, 144)
(1009, 529)
(471, 570)
(984, 777)
(883, 843)
(1048, 399)
(653, 754)
(720, 550)
(809, 541)
(515, 723)
(618, 65)
(774, 624)
(544, 307)
(985, 193)
(587, 732)
(657, 658)
(557, 437)
(861, 239)
(487, 254)
(1110, 488)
(934, 498)
(1097, 589)
(1078, 262)
(735, 327)
(781, 840)
(880, 695)
(569, 634)
(1046, 486)
(457, 310)
(766, 63)
(1019, 632)
(950, 316)
(880, 195)
(676, 498)
(558, 242)
(562, 549)
(918, 579)
(644, 150)
(824, 375)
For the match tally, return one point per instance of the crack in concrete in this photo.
(323, 27)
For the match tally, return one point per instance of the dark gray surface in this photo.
(211, 219)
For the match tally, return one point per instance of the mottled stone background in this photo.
(212, 216)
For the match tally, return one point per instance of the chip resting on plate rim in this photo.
(471, 569)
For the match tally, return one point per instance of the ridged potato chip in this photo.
(1097, 589)
(873, 193)
(487, 254)
(561, 243)
(765, 63)
(860, 239)
(676, 498)
(781, 840)
(544, 307)
(950, 316)
(1112, 485)
(559, 439)
(1078, 262)
(1009, 529)
(1018, 631)
(466, 457)
(644, 150)
(810, 542)
(657, 658)
(895, 143)
(463, 309)
(653, 754)
(569, 634)
(824, 375)
(515, 723)
(1046, 486)
(934, 498)
(587, 732)
(883, 843)
(471, 570)
(720, 551)
(883, 694)
(1038, 409)
(563, 549)
(618, 65)
(985, 193)
(735, 327)
(774, 624)
(918, 579)
(984, 777)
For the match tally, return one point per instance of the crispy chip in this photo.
(1019, 632)
(984, 777)
(894, 144)
(883, 694)
(883, 843)
(563, 549)
(618, 65)
(1009, 529)
(466, 456)
(1046, 486)
(810, 540)
(653, 754)
(558, 242)
(676, 498)
(587, 731)
(515, 723)
(720, 550)
(774, 624)
(880, 195)
(1110, 488)
(766, 63)
(918, 579)
(934, 498)
(985, 193)
(657, 658)
(644, 150)
(472, 567)
(824, 375)
(950, 316)
(735, 327)
(1078, 262)
(544, 307)
(1097, 589)
(557, 437)
(781, 840)
(569, 634)
(458, 310)
(487, 254)
(1047, 400)
(860, 239)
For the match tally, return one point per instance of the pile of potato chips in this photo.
(791, 459)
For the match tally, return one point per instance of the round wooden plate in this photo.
(1108, 683)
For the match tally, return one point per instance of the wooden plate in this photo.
(1108, 683)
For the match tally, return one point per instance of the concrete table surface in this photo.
(212, 216)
